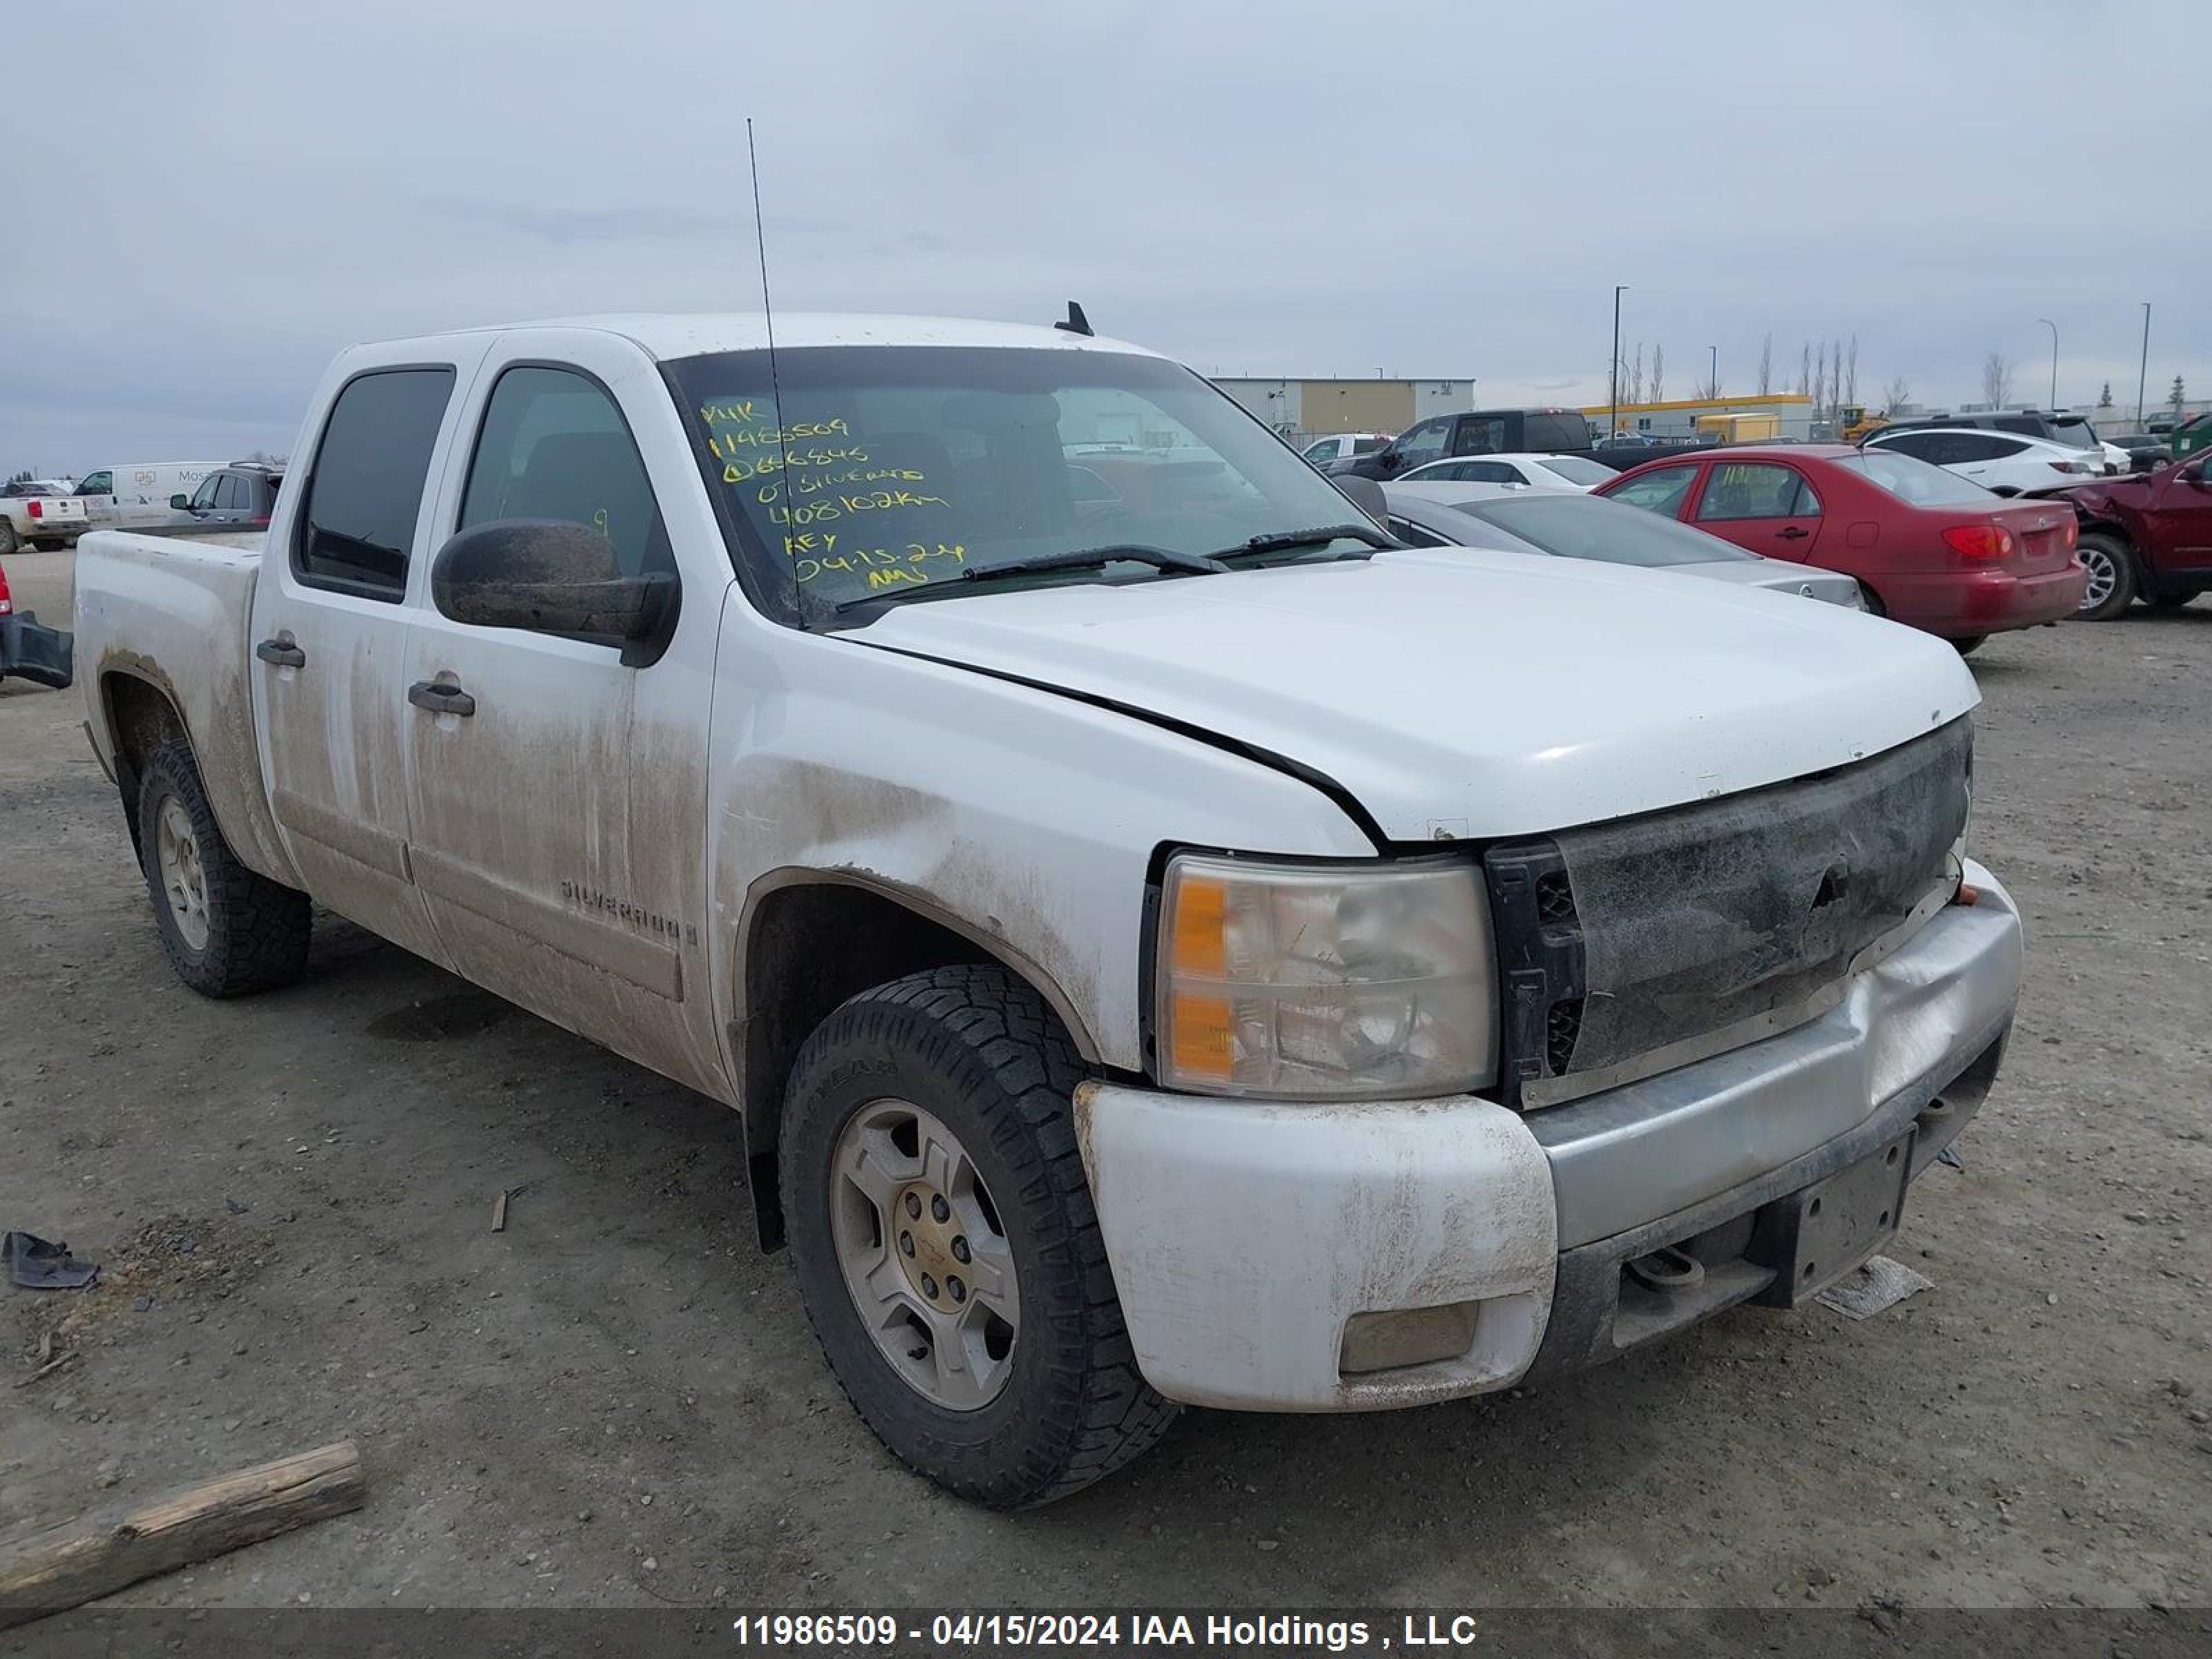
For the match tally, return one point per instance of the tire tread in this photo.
(1106, 1414)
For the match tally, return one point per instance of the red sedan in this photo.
(1929, 548)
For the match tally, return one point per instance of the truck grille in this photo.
(1622, 945)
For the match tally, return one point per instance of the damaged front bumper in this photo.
(30, 651)
(1283, 1256)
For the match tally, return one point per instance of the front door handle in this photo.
(281, 653)
(441, 699)
(1794, 533)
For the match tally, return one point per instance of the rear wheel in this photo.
(2112, 571)
(8, 541)
(946, 1245)
(227, 929)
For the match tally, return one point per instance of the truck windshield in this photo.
(889, 470)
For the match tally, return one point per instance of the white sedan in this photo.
(1536, 471)
(2009, 463)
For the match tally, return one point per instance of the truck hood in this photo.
(1508, 695)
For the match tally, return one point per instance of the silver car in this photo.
(1569, 524)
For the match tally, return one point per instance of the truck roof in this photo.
(691, 334)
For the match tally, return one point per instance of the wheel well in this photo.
(140, 720)
(810, 947)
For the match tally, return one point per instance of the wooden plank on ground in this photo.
(82, 1560)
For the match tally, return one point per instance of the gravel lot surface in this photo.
(617, 1401)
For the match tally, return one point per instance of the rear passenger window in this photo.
(1743, 490)
(364, 491)
(554, 445)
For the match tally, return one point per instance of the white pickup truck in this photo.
(40, 513)
(1166, 942)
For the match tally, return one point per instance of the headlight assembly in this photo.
(1292, 982)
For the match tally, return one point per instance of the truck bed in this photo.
(173, 612)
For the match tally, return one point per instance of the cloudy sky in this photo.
(208, 199)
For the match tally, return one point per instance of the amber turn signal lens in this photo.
(1204, 1036)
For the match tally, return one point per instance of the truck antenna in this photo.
(774, 382)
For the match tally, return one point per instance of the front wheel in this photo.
(2112, 585)
(943, 1233)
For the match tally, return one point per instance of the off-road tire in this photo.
(8, 541)
(2096, 544)
(257, 929)
(979, 1050)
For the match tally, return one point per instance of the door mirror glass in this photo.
(549, 577)
(180, 502)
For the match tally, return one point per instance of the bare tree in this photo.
(1896, 395)
(1819, 387)
(1658, 373)
(1709, 387)
(1997, 380)
(1805, 368)
(1636, 376)
(1851, 373)
(1836, 379)
(1766, 365)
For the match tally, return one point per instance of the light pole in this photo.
(1713, 379)
(2053, 327)
(2142, 372)
(1613, 415)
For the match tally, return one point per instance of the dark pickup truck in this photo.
(1494, 431)
(2145, 535)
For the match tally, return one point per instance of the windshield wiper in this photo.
(1082, 558)
(1281, 540)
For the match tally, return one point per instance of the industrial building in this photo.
(1792, 412)
(1301, 409)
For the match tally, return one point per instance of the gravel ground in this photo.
(616, 1401)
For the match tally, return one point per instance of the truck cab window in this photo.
(364, 488)
(554, 445)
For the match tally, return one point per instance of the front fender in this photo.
(1026, 820)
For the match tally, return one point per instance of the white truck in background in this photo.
(41, 513)
(1165, 941)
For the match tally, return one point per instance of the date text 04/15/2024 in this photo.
(1335, 1634)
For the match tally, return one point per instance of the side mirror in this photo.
(2194, 473)
(180, 502)
(550, 577)
(2007, 491)
(1365, 495)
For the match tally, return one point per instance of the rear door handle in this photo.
(441, 699)
(1794, 533)
(281, 653)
